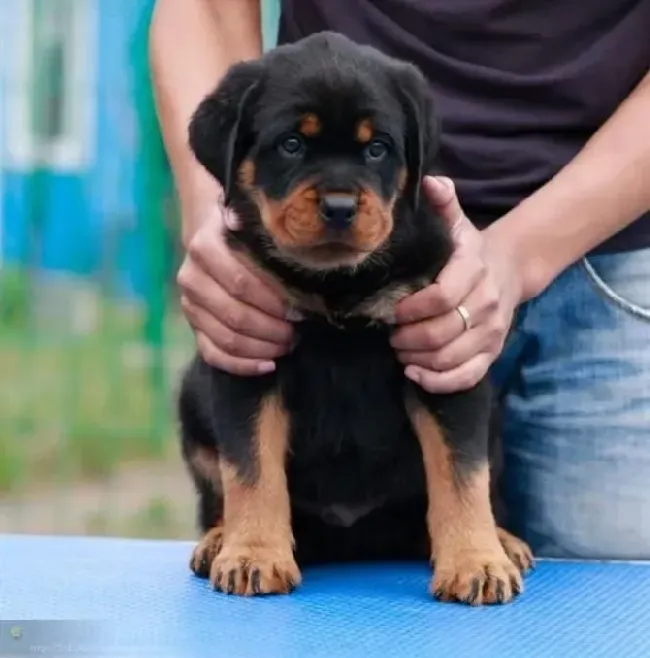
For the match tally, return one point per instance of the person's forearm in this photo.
(602, 190)
(192, 44)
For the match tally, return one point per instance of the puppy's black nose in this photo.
(338, 210)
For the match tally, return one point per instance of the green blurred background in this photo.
(91, 335)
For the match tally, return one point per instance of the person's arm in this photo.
(453, 330)
(192, 44)
(239, 322)
(602, 190)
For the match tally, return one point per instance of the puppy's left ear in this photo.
(219, 131)
(421, 129)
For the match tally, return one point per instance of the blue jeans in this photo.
(575, 381)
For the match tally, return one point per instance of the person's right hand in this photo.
(240, 323)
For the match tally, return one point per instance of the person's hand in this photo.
(450, 333)
(239, 321)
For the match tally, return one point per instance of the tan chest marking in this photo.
(379, 307)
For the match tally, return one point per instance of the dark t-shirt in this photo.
(521, 85)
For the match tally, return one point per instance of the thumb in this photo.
(441, 194)
(220, 216)
(231, 220)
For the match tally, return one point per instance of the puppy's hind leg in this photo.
(517, 550)
(199, 451)
(256, 555)
(204, 467)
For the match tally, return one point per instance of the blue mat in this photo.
(146, 602)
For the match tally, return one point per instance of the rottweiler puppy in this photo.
(321, 147)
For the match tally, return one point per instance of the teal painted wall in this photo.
(270, 16)
(98, 205)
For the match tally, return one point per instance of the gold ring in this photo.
(464, 314)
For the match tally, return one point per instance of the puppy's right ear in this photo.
(219, 131)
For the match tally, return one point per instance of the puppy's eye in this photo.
(376, 150)
(292, 146)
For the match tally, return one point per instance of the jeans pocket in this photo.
(622, 279)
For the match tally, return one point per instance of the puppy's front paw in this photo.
(248, 570)
(476, 577)
(205, 552)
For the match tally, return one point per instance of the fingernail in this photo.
(447, 182)
(294, 315)
(413, 373)
(232, 221)
(266, 367)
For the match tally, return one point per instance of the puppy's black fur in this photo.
(317, 118)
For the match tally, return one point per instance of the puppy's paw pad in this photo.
(517, 550)
(205, 552)
(248, 571)
(477, 578)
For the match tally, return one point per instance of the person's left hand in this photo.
(443, 351)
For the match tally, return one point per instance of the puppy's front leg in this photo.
(470, 564)
(257, 552)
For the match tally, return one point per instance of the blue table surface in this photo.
(146, 602)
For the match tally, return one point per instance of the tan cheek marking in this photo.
(310, 125)
(374, 221)
(401, 180)
(364, 131)
(293, 221)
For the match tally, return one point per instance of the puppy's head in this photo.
(324, 137)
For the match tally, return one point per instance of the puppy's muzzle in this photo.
(338, 210)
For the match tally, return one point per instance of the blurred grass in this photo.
(159, 518)
(76, 404)
(87, 379)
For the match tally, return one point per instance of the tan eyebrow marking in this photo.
(310, 125)
(364, 131)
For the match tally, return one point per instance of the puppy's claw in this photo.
(231, 582)
(254, 571)
(500, 593)
(255, 582)
(517, 550)
(477, 578)
(205, 552)
(473, 595)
